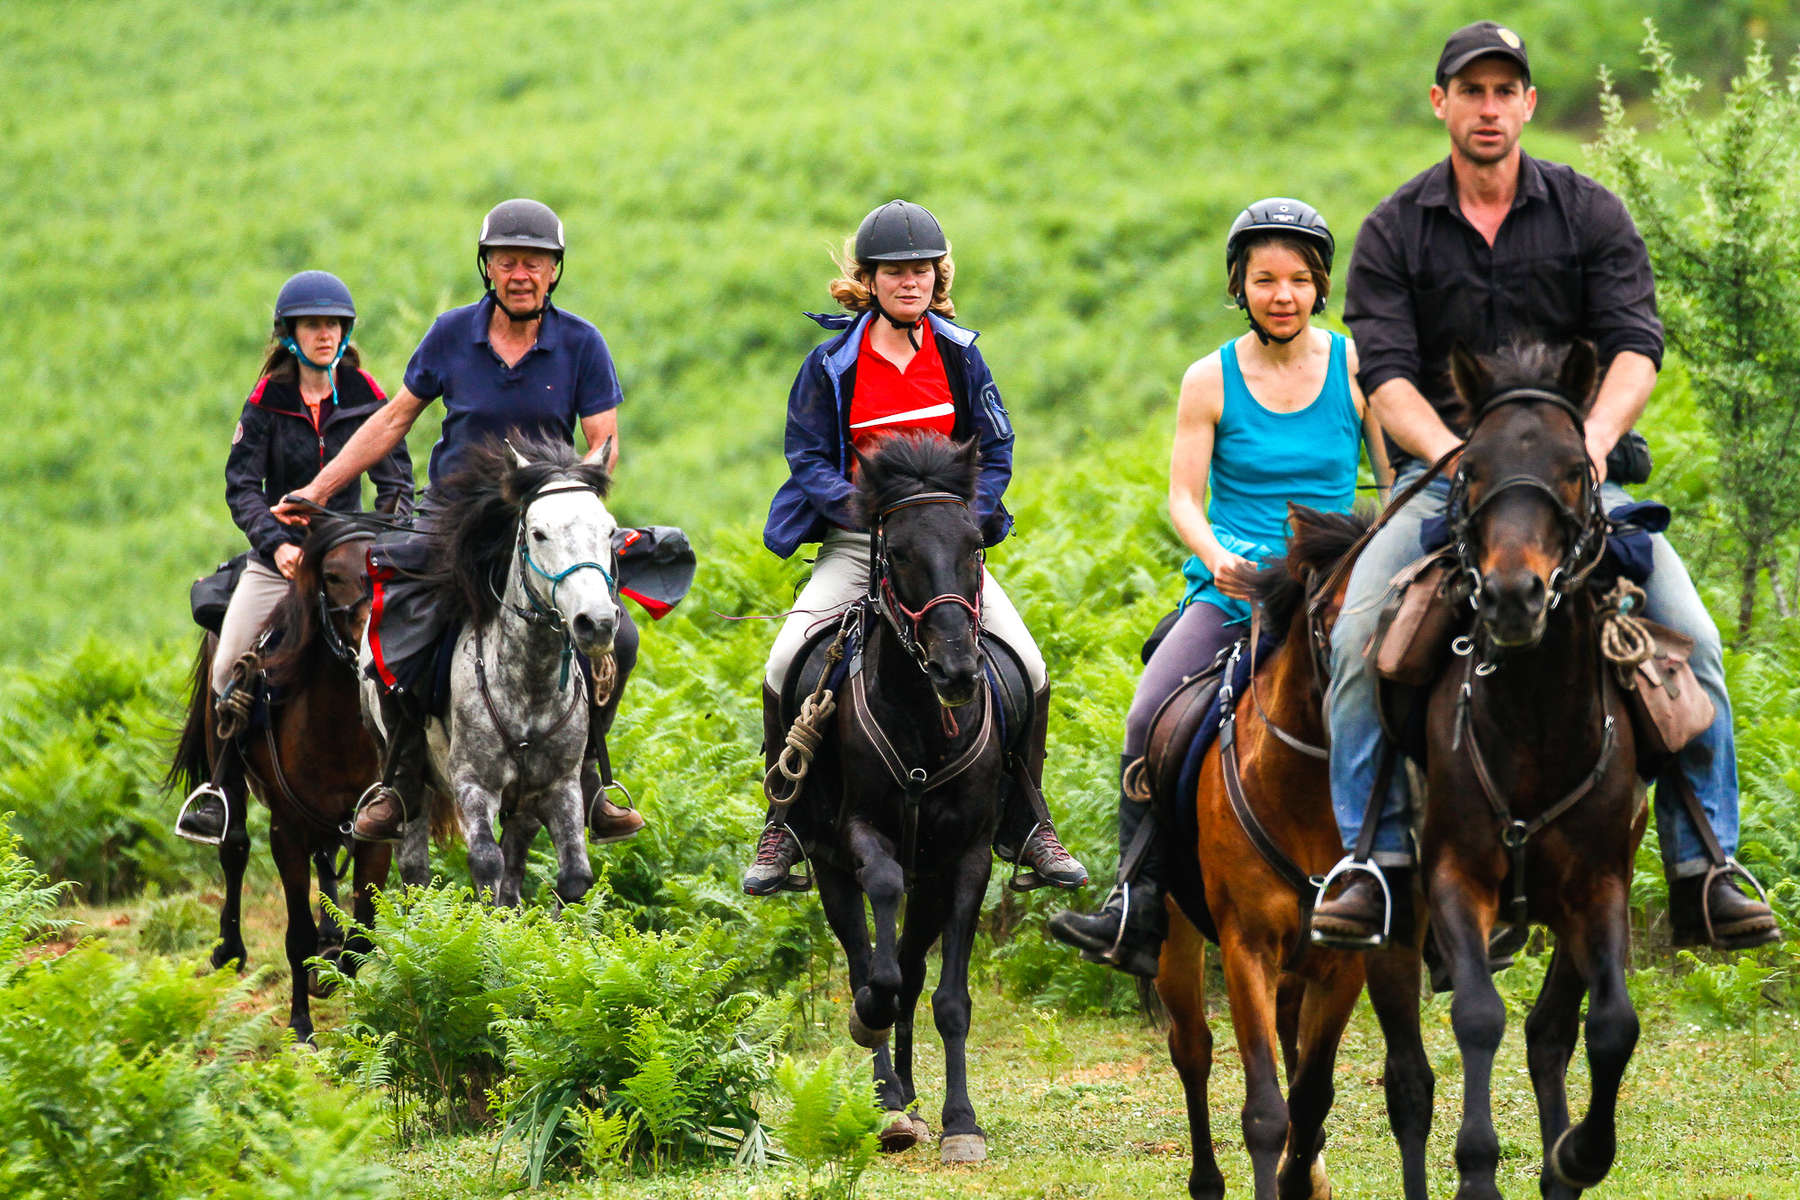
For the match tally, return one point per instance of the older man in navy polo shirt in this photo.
(510, 363)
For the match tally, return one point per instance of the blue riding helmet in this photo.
(314, 294)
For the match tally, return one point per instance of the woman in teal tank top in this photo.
(1272, 416)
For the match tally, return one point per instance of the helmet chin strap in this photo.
(292, 347)
(911, 327)
(1263, 335)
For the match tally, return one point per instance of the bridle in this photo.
(902, 620)
(330, 613)
(537, 610)
(1586, 523)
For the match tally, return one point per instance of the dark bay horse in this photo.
(1534, 810)
(919, 760)
(1264, 832)
(308, 766)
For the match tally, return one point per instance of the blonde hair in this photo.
(854, 286)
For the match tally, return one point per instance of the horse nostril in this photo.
(590, 631)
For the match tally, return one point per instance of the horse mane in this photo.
(478, 519)
(1318, 540)
(295, 620)
(906, 463)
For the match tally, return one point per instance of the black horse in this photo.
(1534, 811)
(307, 764)
(920, 759)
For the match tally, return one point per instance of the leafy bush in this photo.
(593, 1038)
(139, 1081)
(82, 743)
(832, 1125)
(26, 900)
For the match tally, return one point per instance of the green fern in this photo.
(832, 1124)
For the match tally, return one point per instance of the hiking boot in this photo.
(772, 870)
(1045, 861)
(1127, 932)
(380, 815)
(1357, 917)
(1738, 921)
(204, 815)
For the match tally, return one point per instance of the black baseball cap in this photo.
(1477, 41)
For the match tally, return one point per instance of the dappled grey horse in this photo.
(525, 560)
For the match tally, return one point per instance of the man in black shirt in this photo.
(1487, 247)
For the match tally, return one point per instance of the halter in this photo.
(903, 620)
(538, 611)
(1586, 527)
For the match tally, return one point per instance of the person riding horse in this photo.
(1271, 417)
(311, 397)
(510, 362)
(1486, 247)
(896, 362)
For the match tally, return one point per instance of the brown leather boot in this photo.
(383, 810)
(1738, 922)
(1354, 918)
(607, 822)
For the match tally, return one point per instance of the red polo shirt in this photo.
(888, 399)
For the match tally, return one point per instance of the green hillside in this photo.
(168, 164)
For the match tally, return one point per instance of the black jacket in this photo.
(275, 449)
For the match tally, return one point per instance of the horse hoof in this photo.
(1566, 1172)
(235, 956)
(898, 1134)
(920, 1129)
(862, 1035)
(963, 1148)
(317, 986)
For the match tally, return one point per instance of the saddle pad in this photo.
(1189, 779)
(443, 657)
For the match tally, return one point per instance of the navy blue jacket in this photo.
(817, 492)
(275, 450)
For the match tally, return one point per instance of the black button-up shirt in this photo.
(1567, 263)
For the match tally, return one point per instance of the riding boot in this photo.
(1026, 836)
(607, 822)
(1356, 918)
(771, 867)
(206, 813)
(1128, 930)
(1737, 921)
(384, 810)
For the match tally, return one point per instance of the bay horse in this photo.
(524, 562)
(307, 766)
(1533, 809)
(918, 760)
(1262, 834)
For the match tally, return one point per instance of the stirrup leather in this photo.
(205, 789)
(1352, 866)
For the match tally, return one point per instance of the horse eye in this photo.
(537, 535)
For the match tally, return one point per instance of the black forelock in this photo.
(905, 464)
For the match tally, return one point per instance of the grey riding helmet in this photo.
(523, 224)
(1287, 217)
(900, 231)
(314, 294)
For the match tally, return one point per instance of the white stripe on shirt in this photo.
(917, 414)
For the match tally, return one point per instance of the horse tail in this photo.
(191, 765)
(445, 830)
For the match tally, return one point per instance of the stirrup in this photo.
(369, 796)
(611, 785)
(1731, 866)
(206, 789)
(1022, 880)
(1350, 866)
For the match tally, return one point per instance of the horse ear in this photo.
(519, 460)
(1580, 372)
(1473, 382)
(606, 451)
(862, 460)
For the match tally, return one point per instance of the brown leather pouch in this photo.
(1669, 708)
(1417, 622)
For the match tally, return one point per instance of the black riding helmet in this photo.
(899, 231)
(1280, 216)
(523, 224)
(314, 294)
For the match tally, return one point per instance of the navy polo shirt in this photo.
(567, 375)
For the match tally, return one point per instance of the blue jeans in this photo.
(1709, 762)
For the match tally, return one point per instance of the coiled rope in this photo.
(1624, 640)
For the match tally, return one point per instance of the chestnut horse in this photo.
(308, 766)
(1260, 853)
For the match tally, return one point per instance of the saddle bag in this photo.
(1173, 727)
(210, 595)
(1669, 708)
(1417, 623)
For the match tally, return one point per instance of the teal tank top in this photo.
(1262, 459)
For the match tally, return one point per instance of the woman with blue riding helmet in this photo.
(1272, 416)
(310, 396)
(896, 363)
